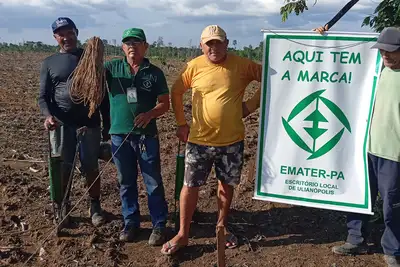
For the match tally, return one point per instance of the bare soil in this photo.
(271, 234)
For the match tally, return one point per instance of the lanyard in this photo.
(132, 84)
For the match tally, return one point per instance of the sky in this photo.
(179, 22)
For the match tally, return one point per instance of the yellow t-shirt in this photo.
(217, 95)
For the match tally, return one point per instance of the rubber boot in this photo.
(95, 211)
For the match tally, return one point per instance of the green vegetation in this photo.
(386, 14)
(157, 49)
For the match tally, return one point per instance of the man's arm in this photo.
(108, 73)
(105, 115)
(162, 106)
(181, 85)
(143, 119)
(254, 73)
(45, 90)
(251, 104)
(105, 104)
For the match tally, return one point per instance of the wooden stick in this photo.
(8, 248)
(221, 246)
(26, 160)
(22, 232)
(252, 170)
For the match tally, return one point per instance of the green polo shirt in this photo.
(150, 83)
(384, 138)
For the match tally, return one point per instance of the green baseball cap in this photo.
(134, 33)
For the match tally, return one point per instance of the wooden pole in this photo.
(221, 246)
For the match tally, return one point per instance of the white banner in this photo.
(316, 106)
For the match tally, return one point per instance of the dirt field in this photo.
(270, 234)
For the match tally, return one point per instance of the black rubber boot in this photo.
(96, 213)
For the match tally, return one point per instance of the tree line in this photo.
(386, 14)
(157, 49)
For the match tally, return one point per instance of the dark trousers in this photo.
(63, 142)
(384, 175)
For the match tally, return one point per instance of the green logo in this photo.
(315, 131)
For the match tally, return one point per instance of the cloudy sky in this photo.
(177, 21)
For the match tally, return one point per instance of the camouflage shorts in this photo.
(228, 161)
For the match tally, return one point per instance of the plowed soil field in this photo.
(270, 234)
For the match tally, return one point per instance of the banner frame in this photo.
(364, 208)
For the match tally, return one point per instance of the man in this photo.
(138, 94)
(383, 156)
(218, 80)
(377, 218)
(63, 118)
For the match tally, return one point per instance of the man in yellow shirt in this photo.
(218, 80)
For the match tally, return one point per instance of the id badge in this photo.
(131, 95)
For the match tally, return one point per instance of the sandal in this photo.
(170, 248)
(231, 241)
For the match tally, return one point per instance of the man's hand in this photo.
(50, 123)
(183, 132)
(245, 110)
(321, 29)
(143, 119)
(105, 135)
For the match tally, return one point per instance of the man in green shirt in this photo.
(383, 156)
(138, 94)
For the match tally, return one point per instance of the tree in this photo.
(293, 6)
(162, 53)
(234, 44)
(387, 13)
(160, 41)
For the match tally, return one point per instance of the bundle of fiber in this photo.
(88, 78)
